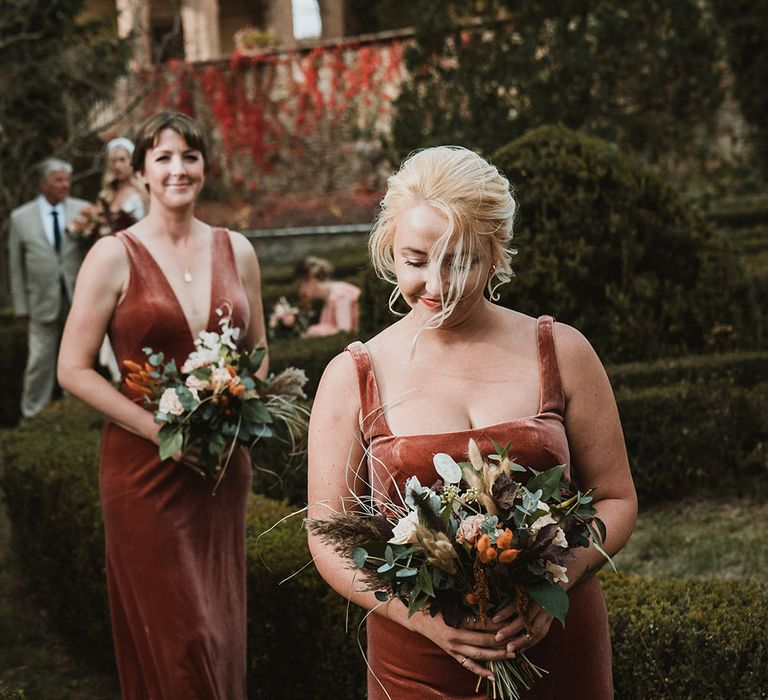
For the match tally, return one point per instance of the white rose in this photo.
(405, 530)
(560, 539)
(170, 403)
(557, 571)
(540, 523)
(194, 384)
(220, 378)
(196, 360)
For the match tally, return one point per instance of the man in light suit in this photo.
(43, 263)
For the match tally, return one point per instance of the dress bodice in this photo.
(537, 441)
(150, 314)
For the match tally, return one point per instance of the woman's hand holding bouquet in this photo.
(216, 401)
(480, 549)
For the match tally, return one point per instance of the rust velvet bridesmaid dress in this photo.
(175, 553)
(406, 664)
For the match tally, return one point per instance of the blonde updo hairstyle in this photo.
(477, 201)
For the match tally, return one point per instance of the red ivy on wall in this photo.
(264, 107)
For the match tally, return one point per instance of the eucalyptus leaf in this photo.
(550, 597)
(359, 556)
(547, 481)
(255, 411)
(446, 467)
(406, 572)
(382, 596)
(389, 556)
(170, 443)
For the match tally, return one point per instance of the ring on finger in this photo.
(464, 660)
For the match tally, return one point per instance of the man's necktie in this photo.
(56, 231)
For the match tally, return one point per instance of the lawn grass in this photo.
(700, 539)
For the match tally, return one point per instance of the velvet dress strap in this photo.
(370, 401)
(552, 394)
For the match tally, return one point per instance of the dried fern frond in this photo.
(345, 531)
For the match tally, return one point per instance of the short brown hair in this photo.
(314, 268)
(183, 125)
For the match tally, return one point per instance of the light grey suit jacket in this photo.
(36, 270)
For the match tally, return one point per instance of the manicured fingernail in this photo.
(492, 679)
(496, 619)
(499, 636)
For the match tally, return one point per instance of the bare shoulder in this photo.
(577, 359)
(105, 270)
(340, 375)
(107, 253)
(242, 247)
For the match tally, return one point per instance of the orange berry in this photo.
(131, 365)
(487, 555)
(483, 542)
(508, 556)
(471, 599)
(504, 540)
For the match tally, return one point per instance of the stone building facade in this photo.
(204, 30)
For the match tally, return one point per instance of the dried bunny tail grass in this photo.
(294, 416)
(345, 531)
(290, 382)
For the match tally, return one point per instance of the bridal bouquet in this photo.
(216, 401)
(96, 221)
(472, 543)
(287, 320)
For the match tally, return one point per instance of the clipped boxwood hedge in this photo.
(50, 481)
(671, 639)
(310, 354)
(687, 639)
(608, 245)
(13, 341)
(689, 438)
(743, 368)
(743, 210)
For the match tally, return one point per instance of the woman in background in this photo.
(175, 553)
(340, 310)
(123, 200)
(122, 195)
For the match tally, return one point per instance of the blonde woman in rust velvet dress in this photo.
(175, 553)
(458, 366)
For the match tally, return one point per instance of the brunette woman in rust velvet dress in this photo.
(175, 553)
(458, 366)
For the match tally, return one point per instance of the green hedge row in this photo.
(671, 639)
(686, 640)
(13, 341)
(743, 368)
(744, 210)
(696, 438)
(311, 354)
(297, 646)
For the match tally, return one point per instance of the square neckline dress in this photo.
(408, 665)
(175, 554)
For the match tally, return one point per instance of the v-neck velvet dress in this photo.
(175, 553)
(408, 665)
